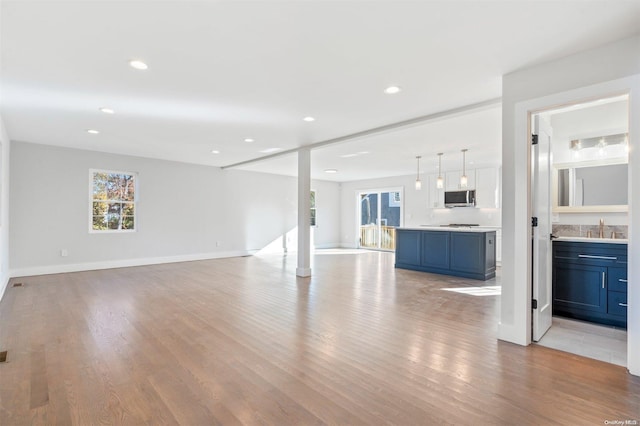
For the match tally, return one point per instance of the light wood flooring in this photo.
(243, 341)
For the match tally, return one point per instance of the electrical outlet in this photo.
(64, 252)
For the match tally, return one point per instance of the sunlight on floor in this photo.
(492, 290)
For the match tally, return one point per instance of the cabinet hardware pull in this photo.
(603, 278)
(624, 305)
(589, 256)
(622, 280)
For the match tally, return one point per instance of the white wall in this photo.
(415, 211)
(4, 207)
(326, 233)
(185, 211)
(591, 74)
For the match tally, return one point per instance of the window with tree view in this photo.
(313, 208)
(113, 201)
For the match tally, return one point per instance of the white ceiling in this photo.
(223, 71)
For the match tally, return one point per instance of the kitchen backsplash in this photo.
(621, 231)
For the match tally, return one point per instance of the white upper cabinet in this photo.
(488, 188)
(436, 196)
(452, 180)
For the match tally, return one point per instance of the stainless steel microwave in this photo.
(460, 198)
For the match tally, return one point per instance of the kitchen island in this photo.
(468, 252)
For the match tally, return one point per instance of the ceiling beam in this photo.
(379, 130)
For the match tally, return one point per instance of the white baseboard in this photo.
(327, 246)
(4, 283)
(513, 334)
(123, 263)
(348, 245)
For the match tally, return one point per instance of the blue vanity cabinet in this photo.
(459, 253)
(617, 295)
(590, 281)
(580, 287)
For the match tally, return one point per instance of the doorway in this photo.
(379, 214)
(579, 189)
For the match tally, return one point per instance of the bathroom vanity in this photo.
(590, 279)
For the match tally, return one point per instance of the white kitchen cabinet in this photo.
(487, 188)
(452, 180)
(436, 196)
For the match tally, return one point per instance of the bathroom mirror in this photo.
(591, 186)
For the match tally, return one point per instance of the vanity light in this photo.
(440, 181)
(599, 142)
(463, 178)
(418, 183)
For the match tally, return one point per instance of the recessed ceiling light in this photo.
(348, 155)
(107, 110)
(309, 119)
(270, 150)
(331, 171)
(215, 151)
(92, 131)
(392, 90)
(139, 65)
(248, 140)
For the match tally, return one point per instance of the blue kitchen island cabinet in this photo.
(463, 252)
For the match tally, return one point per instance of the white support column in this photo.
(304, 213)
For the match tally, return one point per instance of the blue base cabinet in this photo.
(590, 281)
(463, 254)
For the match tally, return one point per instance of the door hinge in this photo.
(534, 304)
(534, 222)
(534, 139)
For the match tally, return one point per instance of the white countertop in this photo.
(451, 228)
(593, 240)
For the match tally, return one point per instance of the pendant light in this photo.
(440, 181)
(418, 183)
(463, 178)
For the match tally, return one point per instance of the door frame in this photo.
(358, 193)
(515, 324)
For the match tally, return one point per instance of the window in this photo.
(113, 201)
(313, 208)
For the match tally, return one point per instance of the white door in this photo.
(541, 209)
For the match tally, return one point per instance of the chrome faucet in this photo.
(601, 233)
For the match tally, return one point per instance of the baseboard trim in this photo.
(4, 283)
(512, 334)
(326, 246)
(123, 263)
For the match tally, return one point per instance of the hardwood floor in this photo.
(243, 341)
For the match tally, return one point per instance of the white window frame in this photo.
(314, 208)
(135, 203)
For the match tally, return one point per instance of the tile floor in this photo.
(601, 342)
